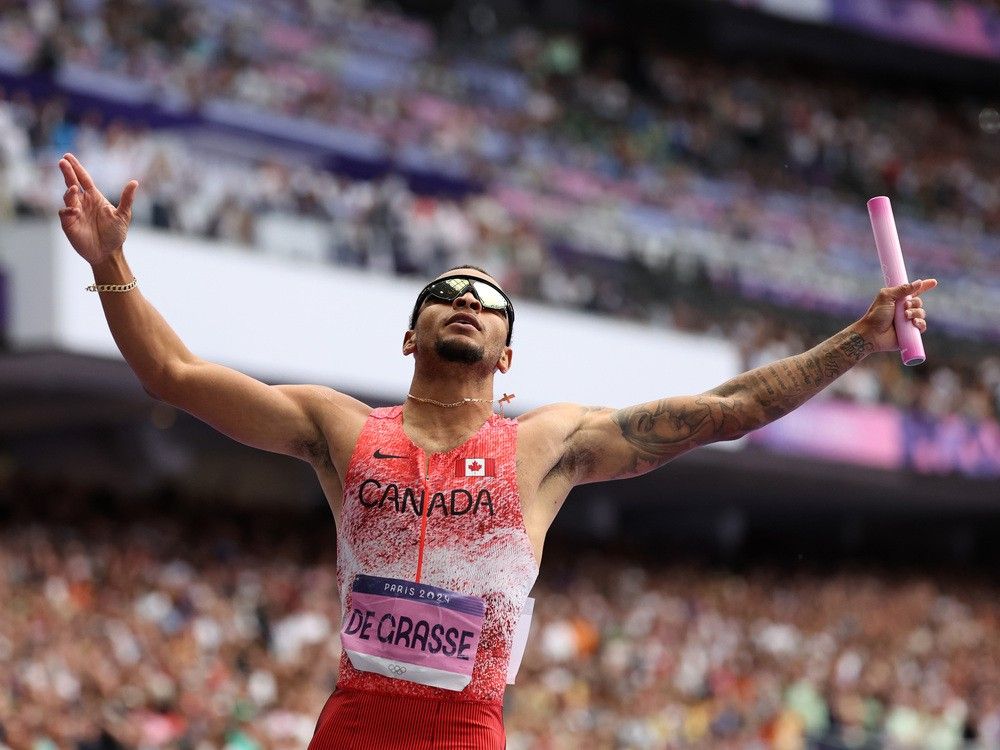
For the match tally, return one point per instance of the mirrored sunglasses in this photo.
(452, 287)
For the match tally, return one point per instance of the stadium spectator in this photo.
(162, 632)
(386, 226)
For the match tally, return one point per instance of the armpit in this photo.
(316, 452)
(577, 460)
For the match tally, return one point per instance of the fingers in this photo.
(914, 305)
(81, 174)
(72, 197)
(913, 287)
(915, 312)
(68, 174)
(128, 196)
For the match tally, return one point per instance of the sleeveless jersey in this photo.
(451, 520)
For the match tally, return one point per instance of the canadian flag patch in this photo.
(475, 467)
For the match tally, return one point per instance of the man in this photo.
(441, 506)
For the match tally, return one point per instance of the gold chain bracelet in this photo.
(114, 287)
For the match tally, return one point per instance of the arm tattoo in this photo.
(660, 430)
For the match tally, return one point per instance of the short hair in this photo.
(469, 265)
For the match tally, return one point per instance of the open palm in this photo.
(94, 227)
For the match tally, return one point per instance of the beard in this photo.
(459, 351)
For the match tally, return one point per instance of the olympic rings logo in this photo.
(397, 669)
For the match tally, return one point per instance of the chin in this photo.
(459, 349)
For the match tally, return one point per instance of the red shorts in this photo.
(360, 720)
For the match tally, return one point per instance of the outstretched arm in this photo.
(282, 419)
(608, 444)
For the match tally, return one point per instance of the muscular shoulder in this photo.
(553, 420)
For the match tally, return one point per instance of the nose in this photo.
(468, 300)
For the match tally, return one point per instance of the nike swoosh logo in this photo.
(379, 454)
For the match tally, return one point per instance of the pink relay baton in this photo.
(890, 255)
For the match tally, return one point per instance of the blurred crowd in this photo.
(558, 136)
(525, 107)
(160, 632)
(671, 197)
(310, 214)
(631, 656)
(141, 637)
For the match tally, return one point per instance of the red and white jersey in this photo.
(451, 520)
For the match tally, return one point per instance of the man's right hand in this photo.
(95, 228)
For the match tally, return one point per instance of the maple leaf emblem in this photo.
(475, 466)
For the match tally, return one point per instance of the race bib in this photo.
(412, 631)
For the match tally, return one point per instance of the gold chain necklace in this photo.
(507, 398)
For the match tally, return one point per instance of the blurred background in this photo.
(672, 191)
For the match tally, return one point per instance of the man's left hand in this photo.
(877, 324)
